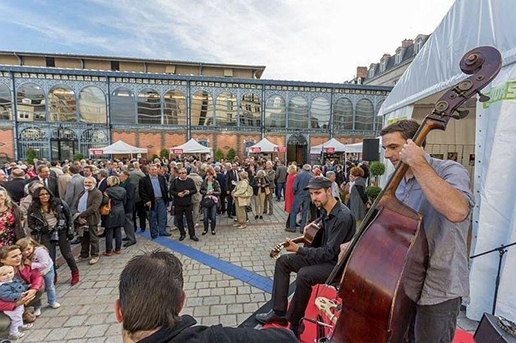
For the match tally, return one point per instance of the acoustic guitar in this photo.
(311, 234)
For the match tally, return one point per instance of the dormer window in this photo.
(399, 56)
(383, 65)
(419, 45)
(371, 72)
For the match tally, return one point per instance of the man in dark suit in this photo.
(221, 178)
(44, 176)
(129, 208)
(231, 181)
(16, 186)
(102, 180)
(154, 195)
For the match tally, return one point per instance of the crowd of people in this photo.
(58, 204)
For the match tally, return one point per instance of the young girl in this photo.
(37, 255)
(12, 289)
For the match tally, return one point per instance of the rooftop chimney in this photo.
(406, 43)
(361, 72)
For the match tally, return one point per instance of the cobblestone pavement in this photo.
(87, 311)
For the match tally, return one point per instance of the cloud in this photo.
(320, 40)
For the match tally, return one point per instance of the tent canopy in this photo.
(265, 145)
(191, 147)
(467, 25)
(332, 143)
(354, 148)
(119, 147)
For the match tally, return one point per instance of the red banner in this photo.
(255, 149)
(176, 151)
(280, 149)
(329, 150)
(96, 151)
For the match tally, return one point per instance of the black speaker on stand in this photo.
(370, 149)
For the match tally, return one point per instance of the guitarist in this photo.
(312, 264)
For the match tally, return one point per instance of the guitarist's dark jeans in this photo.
(308, 275)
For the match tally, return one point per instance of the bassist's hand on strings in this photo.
(412, 155)
(343, 248)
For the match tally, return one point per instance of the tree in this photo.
(231, 154)
(377, 169)
(31, 155)
(373, 192)
(78, 157)
(164, 153)
(219, 155)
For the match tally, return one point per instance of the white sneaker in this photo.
(55, 305)
(37, 312)
(94, 260)
(25, 326)
(17, 336)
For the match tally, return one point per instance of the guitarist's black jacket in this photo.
(338, 228)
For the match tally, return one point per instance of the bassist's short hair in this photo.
(406, 127)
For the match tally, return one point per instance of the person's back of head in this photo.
(18, 173)
(151, 292)
(74, 169)
(307, 167)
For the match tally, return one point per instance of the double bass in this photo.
(385, 265)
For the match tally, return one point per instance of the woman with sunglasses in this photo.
(51, 224)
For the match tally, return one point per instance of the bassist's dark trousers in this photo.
(308, 274)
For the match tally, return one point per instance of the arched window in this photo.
(203, 142)
(364, 115)
(61, 104)
(298, 113)
(174, 108)
(202, 109)
(343, 114)
(379, 120)
(35, 139)
(250, 110)
(5, 103)
(275, 112)
(30, 103)
(320, 113)
(92, 105)
(149, 107)
(226, 110)
(122, 106)
(93, 138)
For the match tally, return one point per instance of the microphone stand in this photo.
(501, 251)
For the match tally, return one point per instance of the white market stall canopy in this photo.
(264, 145)
(332, 145)
(353, 148)
(190, 147)
(117, 148)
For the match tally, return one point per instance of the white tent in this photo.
(118, 148)
(332, 143)
(190, 147)
(353, 148)
(467, 25)
(264, 145)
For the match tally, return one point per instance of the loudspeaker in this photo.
(370, 148)
(489, 330)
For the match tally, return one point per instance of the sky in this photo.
(302, 40)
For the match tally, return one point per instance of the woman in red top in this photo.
(12, 256)
(289, 195)
(10, 220)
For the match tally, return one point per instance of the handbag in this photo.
(106, 208)
(207, 202)
(267, 191)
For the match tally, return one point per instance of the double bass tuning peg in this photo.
(482, 97)
(461, 114)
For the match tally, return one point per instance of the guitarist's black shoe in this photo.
(271, 317)
(290, 230)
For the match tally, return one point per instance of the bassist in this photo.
(312, 264)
